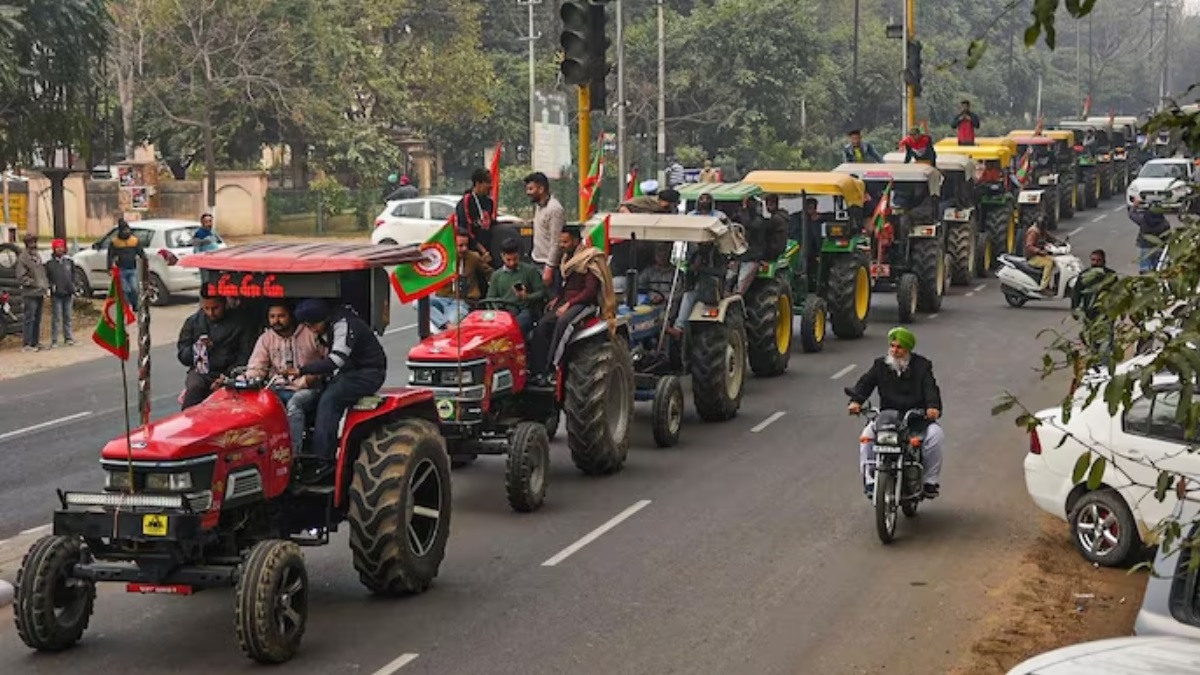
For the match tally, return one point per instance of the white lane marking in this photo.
(1099, 218)
(43, 425)
(768, 422)
(595, 534)
(933, 316)
(979, 288)
(1119, 209)
(36, 530)
(397, 329)
(1075, 231)
(969, 294)
(396, 664)
(838, 375)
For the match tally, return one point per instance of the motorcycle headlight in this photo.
(117, 480)
(887, 438)
(169, 482)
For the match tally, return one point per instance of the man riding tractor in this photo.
(208, 498)
(1066, 163)
(994, 185)
(828, 241)
(1095, 148)
(1122, 137)
(908, 248)
(958, 211)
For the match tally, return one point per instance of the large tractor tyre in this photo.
(997, 225)
(599, 406)
(272, 601)
(907, 293)
(849, 296)
(1105, 181)
(1091, 189)
(400, 507)
(667, 411)
(1067, 194)
(527, 467)
(929, 262)
(1050, 203)
(812, 324)
(51, 608)
(718, 366)
(960, 243)
(769, 327)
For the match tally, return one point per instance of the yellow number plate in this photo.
(526, 231)
(154, 525)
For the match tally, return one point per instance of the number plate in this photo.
(888, 450)
(881, 270)
(154, 525)
(526, 231)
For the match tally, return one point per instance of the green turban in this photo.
(903, 337)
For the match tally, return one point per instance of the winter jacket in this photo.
(31, 274)
(1150, 224)
(274, 353)
(914, 389)
(124, 252)
(60, 272)
(867, 151)
(503, 280)
(351, 346)
(232, 341)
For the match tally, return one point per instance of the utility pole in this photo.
(856, 92)
(531, 38)
(622, 167)
(662, 99)
(910, 90)
(1165, 86)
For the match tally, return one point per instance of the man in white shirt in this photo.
(549, 218)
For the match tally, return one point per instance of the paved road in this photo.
(755, 553)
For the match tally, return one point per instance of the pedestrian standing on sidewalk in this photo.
(31, 276)
(124, 249)
(549, 218)
(60, 272)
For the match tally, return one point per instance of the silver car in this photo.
(165, 242)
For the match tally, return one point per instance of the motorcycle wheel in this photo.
(885, 506)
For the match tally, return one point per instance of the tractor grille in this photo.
(243, 484)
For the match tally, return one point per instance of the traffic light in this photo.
(584, 46)
(912, 75)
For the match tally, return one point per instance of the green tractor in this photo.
(1095, 159)
(1122, 133)
(1067, 164)
(1038, 177)
(997, 203)
(776, 293)
(909, 247)
(832, 250)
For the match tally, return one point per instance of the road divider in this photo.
(396, 664)
(595, 534)
(768, 422)
(61, 420)
(841, 373)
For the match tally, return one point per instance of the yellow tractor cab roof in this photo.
(998, 141)
(845, 186)
(946, 162)
(979, 153)
(897, 173)
(721, 192)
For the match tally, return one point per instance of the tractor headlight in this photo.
(835, 231)
(451, 376)
(421, 376)
(117, 480)
(887, 438)
(169, 482)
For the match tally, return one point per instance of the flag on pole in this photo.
(597, 235)
(110, 332)
(591, 184)
(1041, 126)
(413, 281)
(1024, 167)
(1087, 106)
(632, 188)
(495, 169)
(883, 209)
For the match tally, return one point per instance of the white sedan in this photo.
(414, 221)
(1109, 525)
(1167, 181)
(164, 240)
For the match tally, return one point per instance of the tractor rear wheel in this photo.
(769, 327)
(849, 296)
(51, 608)
(1067, 194)
(718, 365)
(961, 246)
(1050, 203)
(929, 262)
(400, 507)
(599, 405)
(272, 601)
(996, 223)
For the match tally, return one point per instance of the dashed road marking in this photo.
(933, 316)
(838, 375)
(397, 329)
(768, 422)
(979, 288)
(398, 663)
(596, 533)
(1099, 218)
(1075, 231)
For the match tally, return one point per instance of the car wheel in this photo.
(1103, 528)
(157, 294)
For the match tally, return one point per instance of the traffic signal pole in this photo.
(585, 142)
(910, 89)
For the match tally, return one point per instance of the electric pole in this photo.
(662, 99)
(855, 70)
(621, 164)
(531, 38)
(912, 66)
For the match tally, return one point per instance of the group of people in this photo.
(917, 146)
(320, 358)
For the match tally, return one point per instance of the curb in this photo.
(6, 593)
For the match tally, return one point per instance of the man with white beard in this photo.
(905, 382)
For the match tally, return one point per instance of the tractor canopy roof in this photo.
(1123, 120)
(1032, 140)
(325, 257)
(998, 141)
(845, 186)
(1061, 135)
(946, 162)
(666, 227)
(979, 153)
(895, 173)
(721, 192)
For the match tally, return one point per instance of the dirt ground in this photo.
(1052, 599)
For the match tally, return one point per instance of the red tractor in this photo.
(206, 498)
(487, 404)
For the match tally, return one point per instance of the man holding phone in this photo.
(519, 283)
(211, 343)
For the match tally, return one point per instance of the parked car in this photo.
(409, 221)
(1170, 607)
(1109, 525)
(165, 242)
(1166, 181)
(1118, 656)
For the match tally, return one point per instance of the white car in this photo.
(1170, 607)
(1118, 656)
(413, 221)
(1167, 181)
(165, 241)
(1109, 525)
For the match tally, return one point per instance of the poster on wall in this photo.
(139, 198)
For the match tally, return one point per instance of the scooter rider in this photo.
(905, 382)
(1036, 254)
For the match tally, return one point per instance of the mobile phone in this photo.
(519, 286)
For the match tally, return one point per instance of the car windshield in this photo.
(1173, 170)
(182, 237)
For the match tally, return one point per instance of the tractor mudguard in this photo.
(1030, 196)
(709, 314)
(388, 402)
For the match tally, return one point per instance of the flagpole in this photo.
(143, 342)
(128, 431)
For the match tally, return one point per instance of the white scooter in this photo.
(1021, 282)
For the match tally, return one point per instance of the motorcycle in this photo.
(1021, 282)
(9, 323)
(898, 466)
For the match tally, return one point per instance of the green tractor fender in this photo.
(703, 313)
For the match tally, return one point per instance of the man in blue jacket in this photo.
(858, 150)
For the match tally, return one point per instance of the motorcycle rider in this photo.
(1152, 229)
(1036, 254)
(905, 382)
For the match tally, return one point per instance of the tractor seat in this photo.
(1023, 265)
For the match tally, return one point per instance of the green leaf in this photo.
(1004, 406)
(1086, 8)
(1073, 7)
(975, 52)
(1032, 33)
(1081, 466)
(1096, 474)
(1163, 484)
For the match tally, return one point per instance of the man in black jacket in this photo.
(905, 382)
(1152, 229)
(212, 342)
(356, 364)
(60, 271)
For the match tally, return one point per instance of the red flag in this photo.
(495, 168)
(1087, 106)
(629, 186)
(1041, 126)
